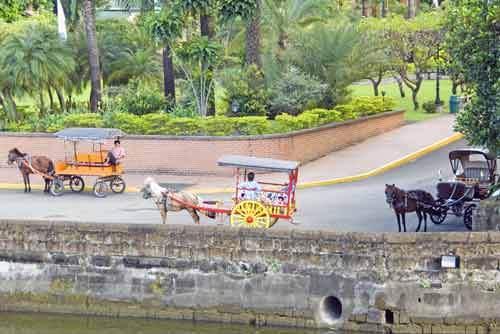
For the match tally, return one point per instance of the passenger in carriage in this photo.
(250, 189)
(116, 154)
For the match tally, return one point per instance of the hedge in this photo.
(165, 124)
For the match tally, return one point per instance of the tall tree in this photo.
(474, 46)
(93, 54)
(250, 12)
(411, 9)
(165, 27)
(203, 9)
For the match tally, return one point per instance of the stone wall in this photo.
(376, 282)
(488, 216)
(198, 155)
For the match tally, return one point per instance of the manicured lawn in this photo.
(427, 93)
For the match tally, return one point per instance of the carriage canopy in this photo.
(93, 134)
(274, 165)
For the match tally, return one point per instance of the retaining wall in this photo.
(198, 155)
(376, 282)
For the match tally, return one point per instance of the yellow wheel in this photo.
(250, 214)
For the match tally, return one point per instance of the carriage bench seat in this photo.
(476, 173)
(95, 159)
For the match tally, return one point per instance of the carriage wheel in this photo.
(468, 216)
(100, 189)
(439, 212)
(57, 187)
(76, 184)
(117, 185)
(250, 214)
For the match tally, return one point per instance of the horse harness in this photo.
(412, 196)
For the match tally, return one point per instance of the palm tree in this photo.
(285, 16)
(37, 60)
(253, 38)
(93, 54)
(141, 64)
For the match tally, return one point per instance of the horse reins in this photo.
(23, 161)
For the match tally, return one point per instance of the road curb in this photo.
(391, 165)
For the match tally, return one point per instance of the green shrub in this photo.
(430, 106)
(155, 123)
(252, 125)
(325, 115)
(140, 100)
(246, 88)
(218, 126)
(129, 123)
(346, 111)
(294, 92)
(292, 123)
(183, 126)
(83, 120)
(371, 105)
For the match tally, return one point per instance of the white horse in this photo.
(168, 200)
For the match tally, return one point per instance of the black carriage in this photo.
(475, 172)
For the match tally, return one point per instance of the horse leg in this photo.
(399, 223)
(29, 184)
(163, 212)
(403, 215)
(24, 181)
(46, 186)
(425, 221)
(419, 215)
(194, 215)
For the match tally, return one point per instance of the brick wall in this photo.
(198, 155)
(385, 282)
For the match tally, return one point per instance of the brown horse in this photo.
(40, 164)
(163, 200)
(418, 201)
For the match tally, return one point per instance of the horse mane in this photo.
(156, 189)
(15, 150)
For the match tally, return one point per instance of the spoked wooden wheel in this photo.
(250, 214)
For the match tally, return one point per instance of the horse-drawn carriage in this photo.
(274, 201)
(89, 162)
(475, 172)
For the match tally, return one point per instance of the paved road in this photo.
(358, 206)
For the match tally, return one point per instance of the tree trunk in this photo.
(60, 97)
(206, 29)
(168, 74)
(93, 53)
(252, 47)
(353, 6)
(411, 9)
(400, 86)
(11, 108)
(364, 8)
(51, 98)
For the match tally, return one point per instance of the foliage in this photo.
(230, 9)
(166, 124)
(294, 92)
(165, 26)
(11, 10)
(413, 44)
(325, 51)
(246, 87)
(429, 106)
(140, 99)
(474, 45)
(196, 57)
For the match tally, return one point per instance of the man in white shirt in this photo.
(249, 190)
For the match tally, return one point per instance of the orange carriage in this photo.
(89, 163)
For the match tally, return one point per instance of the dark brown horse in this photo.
(40, 164)
(418, 201)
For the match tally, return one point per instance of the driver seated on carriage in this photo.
(250, 190)
(116, 154)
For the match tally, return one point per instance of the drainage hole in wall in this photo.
(389, 317)
(419, 300)
(330, 309)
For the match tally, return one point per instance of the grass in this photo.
(427, 93)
